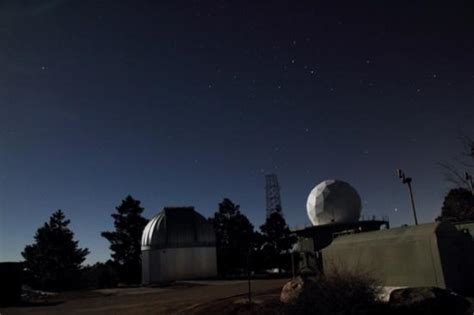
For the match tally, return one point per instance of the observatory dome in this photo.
(176, 228)
(333, 201)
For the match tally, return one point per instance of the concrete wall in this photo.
(425, 255)
(169, 264)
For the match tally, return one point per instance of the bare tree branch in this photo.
(453, 175)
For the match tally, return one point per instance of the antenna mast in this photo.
(272, 191)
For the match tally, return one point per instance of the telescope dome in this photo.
(333, 201)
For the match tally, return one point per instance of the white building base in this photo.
(170, 264)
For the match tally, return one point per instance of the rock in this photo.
(428, 300)
(294, 288)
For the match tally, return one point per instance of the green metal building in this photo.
(434, 254)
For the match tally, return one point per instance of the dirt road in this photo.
(181, 298)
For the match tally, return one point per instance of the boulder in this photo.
(428, 300)
(294, 288)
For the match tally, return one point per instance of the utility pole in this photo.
(407, 180)
(249, 276)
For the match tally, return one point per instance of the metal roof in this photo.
(177, 227)
(413, 232)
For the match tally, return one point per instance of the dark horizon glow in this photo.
(189, 102)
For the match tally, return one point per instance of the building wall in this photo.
(170, 264)
(10, 283)
(413, 263)
(425, 255)
(457, 261)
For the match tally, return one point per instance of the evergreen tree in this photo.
(100, 275)
(54, 261)
(277, 240)
(234, 234)
(125, 240)
(458, 206)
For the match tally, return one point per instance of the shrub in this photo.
(100, 275)
(339, 293)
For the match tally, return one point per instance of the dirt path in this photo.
(180, 298)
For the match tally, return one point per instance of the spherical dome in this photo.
(177, 227)
(333, 201)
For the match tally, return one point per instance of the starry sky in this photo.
(188, 102)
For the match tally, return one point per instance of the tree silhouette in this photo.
(100, 275)
(54, 261)
(458, 206)
(125, 240)
(277, 240)
(234, 234)
(455, 172)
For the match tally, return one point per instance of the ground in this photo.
(192, 297)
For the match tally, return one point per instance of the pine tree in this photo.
(234, 234)
(277, 239)
(458, 206)
(54, 261)
(125, 240)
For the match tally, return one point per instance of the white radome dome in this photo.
(333, 201)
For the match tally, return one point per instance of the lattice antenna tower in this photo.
(272, 192)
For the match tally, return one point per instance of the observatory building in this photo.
(434, 254)
(334, 208)
(178, 243)
(333, 201)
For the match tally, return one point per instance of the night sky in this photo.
(188, 102)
